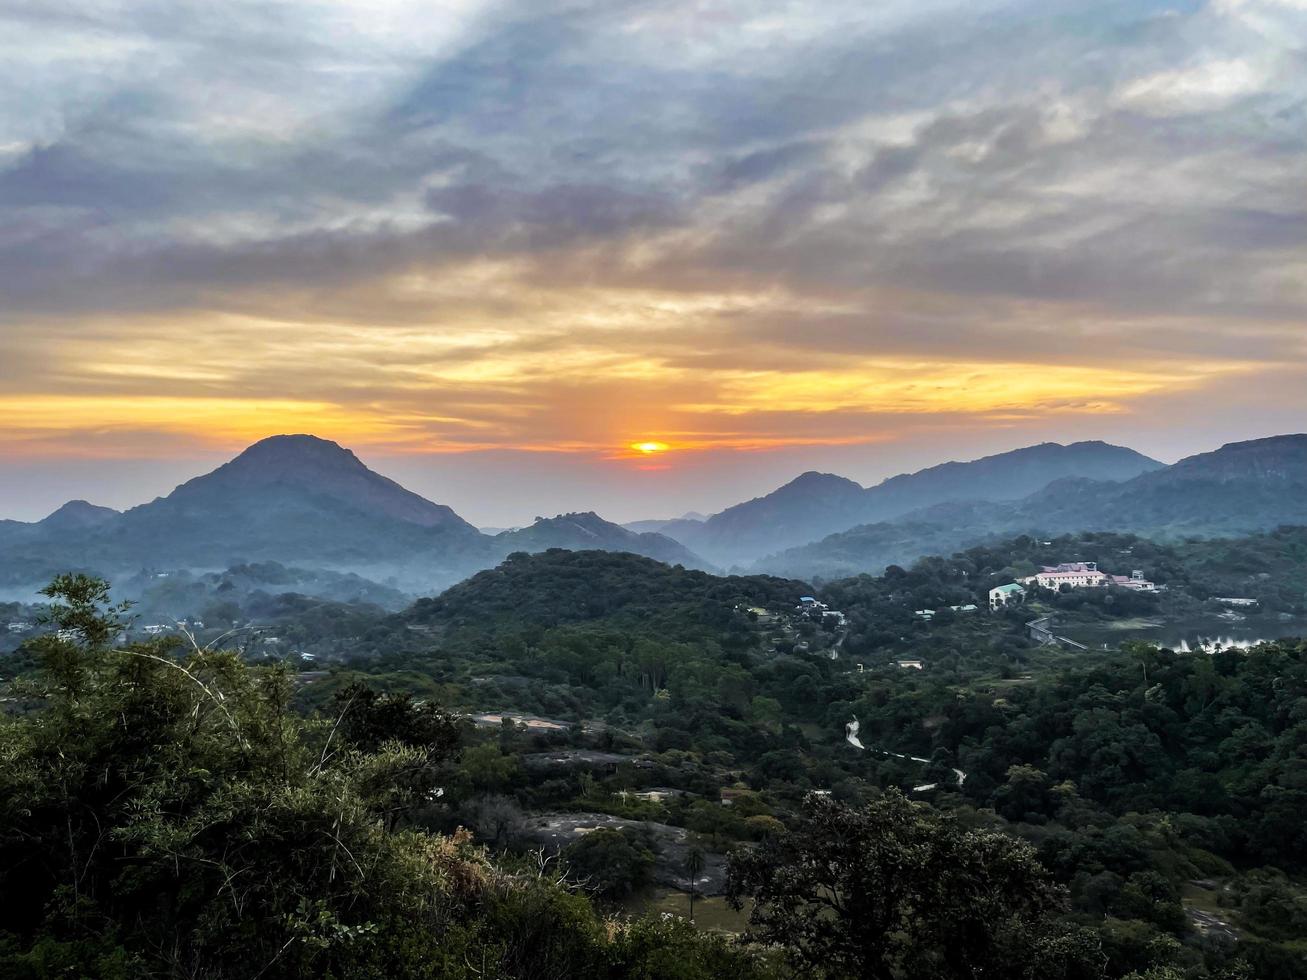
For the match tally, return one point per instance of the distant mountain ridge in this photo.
(815, 505)
(1241, 488)
(307, 501)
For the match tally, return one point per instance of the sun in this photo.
(649, 448)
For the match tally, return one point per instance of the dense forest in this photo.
(555, 749)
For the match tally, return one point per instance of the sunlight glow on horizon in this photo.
(701, 410)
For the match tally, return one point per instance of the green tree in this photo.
(897, 889)
(611, 863)
(170, 816)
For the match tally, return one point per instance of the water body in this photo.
(1207, 633)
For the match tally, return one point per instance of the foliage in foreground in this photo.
(173, 817)
(896, 889)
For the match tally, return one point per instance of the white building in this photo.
(1086, 575)
(1006, 595)
(1077, 575)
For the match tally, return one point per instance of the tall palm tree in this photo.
(693, 867)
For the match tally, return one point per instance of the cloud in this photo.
(574, 225)
(1210, 85)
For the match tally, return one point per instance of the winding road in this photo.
(851, 736)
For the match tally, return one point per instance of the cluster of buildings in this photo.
(1072, 575)
(810, 608)
(1086, 575)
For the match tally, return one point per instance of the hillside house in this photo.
(809, 606)
(1006, 595)
(1135, 580)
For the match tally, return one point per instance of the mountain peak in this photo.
(310, 467)
(815, 478)
(77, 514)
(297, 451)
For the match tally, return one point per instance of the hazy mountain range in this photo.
(303, 500)
(817, 504)
(1238, 489)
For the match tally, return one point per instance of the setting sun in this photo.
(649, 448)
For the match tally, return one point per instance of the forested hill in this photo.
(590, 532)
(557, 587)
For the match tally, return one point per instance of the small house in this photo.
(1006, 595)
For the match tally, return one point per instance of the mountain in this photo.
(1277, 460)
(309, 467)
(72, 517)
(808, 506)
(1240, 488)
(685, 524)
(300, 500)
(870, 548)
(77, 514)
(292, 498)
(1008, 476)
(588, 532)
(818, 504)
(295, 498)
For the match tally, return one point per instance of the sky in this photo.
(491, 245)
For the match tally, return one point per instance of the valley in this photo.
(641, 718)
